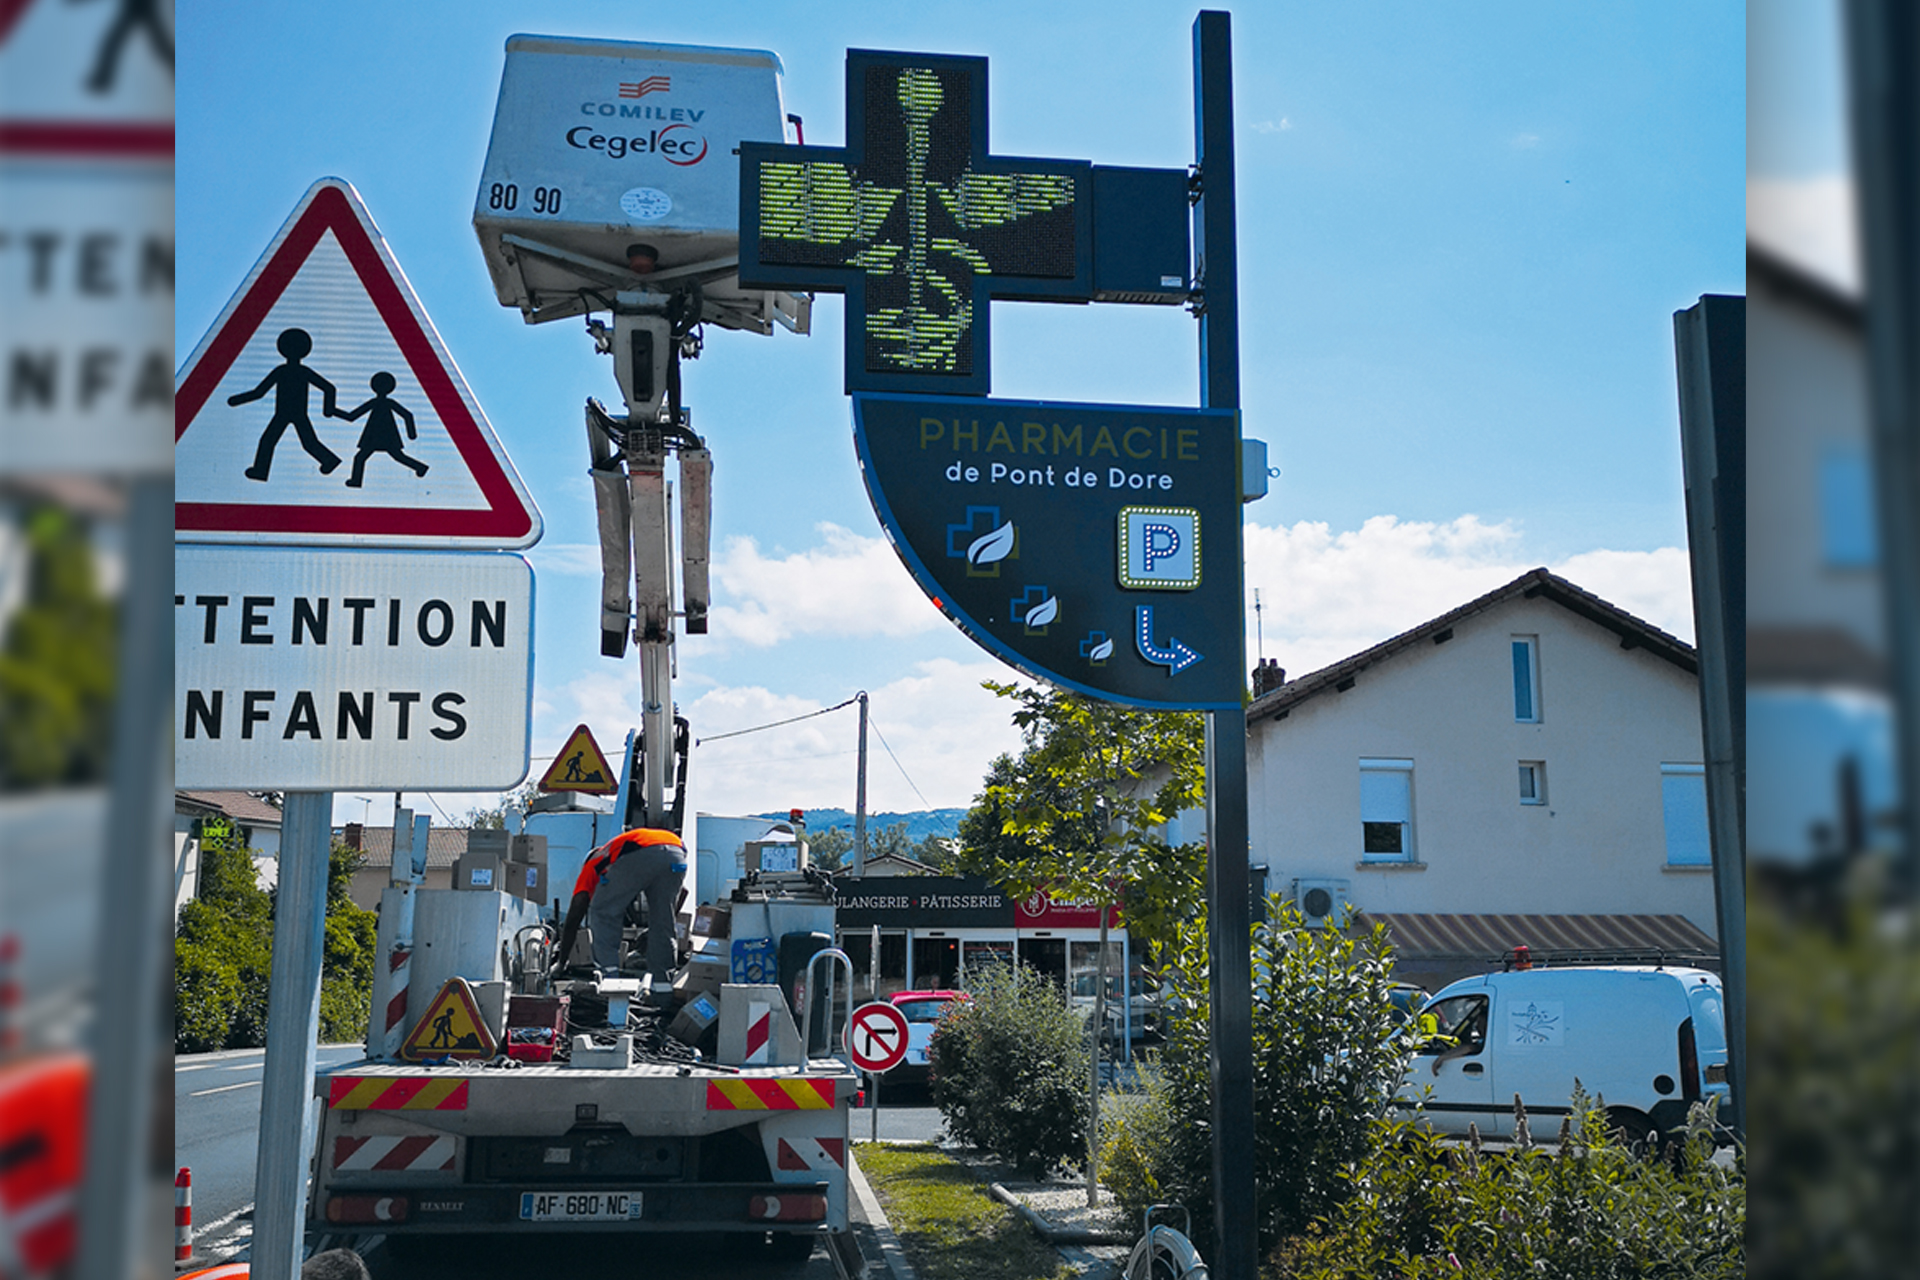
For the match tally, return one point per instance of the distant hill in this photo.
(920, 824)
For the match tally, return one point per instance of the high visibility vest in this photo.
(597, 866)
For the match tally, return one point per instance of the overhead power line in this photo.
(715, 737)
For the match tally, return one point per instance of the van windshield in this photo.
(1709, 1017)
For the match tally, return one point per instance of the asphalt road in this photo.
(216, 1101)
(216, 1134)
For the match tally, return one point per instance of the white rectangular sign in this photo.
(317, 670)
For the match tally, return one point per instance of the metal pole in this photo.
(1883, 39)
(860, 797)
(1710, 343)
(1093, 1084)
(114, 1197)
(387, 1015)
(293, 1023)
(1236, 1256)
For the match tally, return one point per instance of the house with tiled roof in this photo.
(247, 817)
(1524, 769)
(444, 847)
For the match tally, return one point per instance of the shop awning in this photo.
(1428, 937)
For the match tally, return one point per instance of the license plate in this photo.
(579, 1206)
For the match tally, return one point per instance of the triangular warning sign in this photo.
(580, 767)
(453, 1027)
(323, 408)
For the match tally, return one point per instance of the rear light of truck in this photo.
(1689, 1064)
(792, 1208)
(350, 1209)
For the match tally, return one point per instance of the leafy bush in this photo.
(223, 955)
(346, 982)
(1010, 1071)
(1329, 1050)
(1589, 1210)
(1136, 1131)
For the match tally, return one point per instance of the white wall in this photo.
(1609, 718)
(1806, 392)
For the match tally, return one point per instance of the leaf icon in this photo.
(1043, 613)
(1102, 651)
(997, 545)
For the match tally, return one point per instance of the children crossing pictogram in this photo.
(327, 309)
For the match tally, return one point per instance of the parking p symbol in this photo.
(1162, 542)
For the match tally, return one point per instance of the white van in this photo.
(1648, 1041)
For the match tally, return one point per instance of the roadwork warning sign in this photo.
(580, 766)
(452, 1027)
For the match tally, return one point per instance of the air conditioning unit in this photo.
(1322, 902)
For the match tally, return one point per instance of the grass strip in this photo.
(948, 1224)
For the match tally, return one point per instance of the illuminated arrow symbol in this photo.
(1175, 659)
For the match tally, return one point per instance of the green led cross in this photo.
(915, 223)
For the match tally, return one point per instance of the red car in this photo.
(922, 1010)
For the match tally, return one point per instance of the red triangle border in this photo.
(506, 519)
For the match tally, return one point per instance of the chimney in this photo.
(350, 836)
(1268, 676)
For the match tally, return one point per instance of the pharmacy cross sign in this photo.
(916, 223)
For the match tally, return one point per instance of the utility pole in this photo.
(860, 796)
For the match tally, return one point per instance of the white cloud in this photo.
(942, 727)
(1809, 221)
(1326, 595)
(1282, 125)
(847, 585)
(1525, 141)
(566, 559)
(1656, 586)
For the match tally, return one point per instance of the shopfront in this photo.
(933, 930)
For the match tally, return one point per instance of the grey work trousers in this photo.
(656, 870)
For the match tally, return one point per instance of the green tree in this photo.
(56, 664)
(1079, 811)
(939, 852)
(223, 949)
(494, 817)
(831, 849)
(346, 974)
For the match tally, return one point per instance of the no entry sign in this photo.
(877, 1037)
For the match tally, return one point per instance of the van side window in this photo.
(1457, 1020)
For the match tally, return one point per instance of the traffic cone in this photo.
(183, 1217)
(9, 995)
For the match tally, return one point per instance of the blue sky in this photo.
(1799, 184)
(1463, 233)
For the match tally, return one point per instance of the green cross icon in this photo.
(916, 223)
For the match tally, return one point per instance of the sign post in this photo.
(1095, 547)
(1229, 914)
(366, 629)
(876, 1043)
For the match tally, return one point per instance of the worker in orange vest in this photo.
(645, 860)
